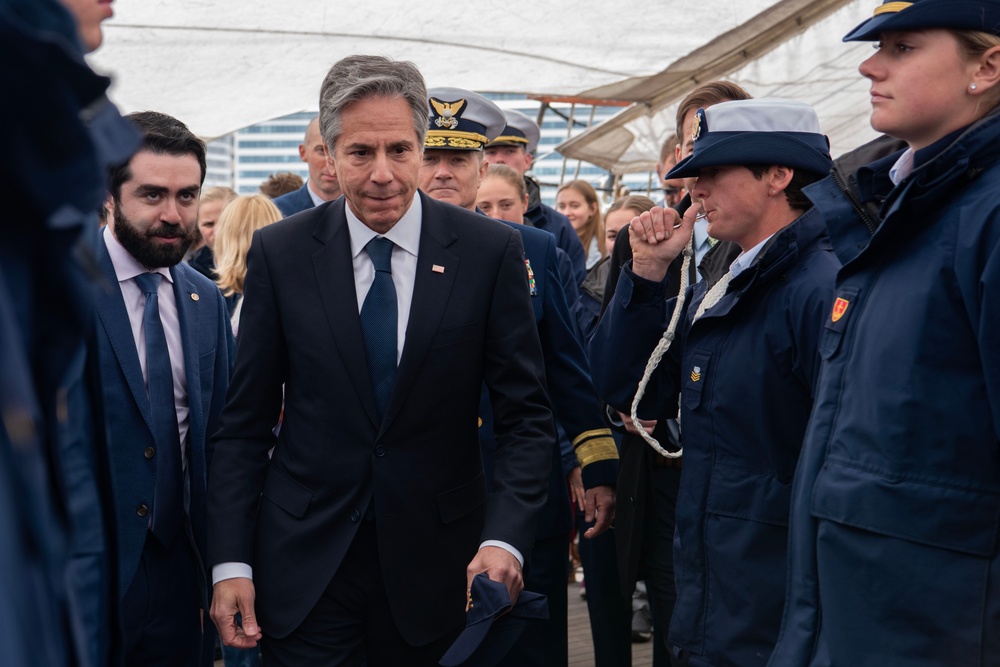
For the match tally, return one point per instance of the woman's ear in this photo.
(987, 74)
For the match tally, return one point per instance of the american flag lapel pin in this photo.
(437, 268)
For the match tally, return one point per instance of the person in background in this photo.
(673, 188)
(515, 148)
(213, 200)
(894, 557)
(322, 185)
(280, 184)
(592, 290)
(241, 218)
(502, 194)
(578, 201)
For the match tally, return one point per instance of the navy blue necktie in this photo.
(168, 498)
(379, 323)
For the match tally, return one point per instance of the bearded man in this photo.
(162, 356)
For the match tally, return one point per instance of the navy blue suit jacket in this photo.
(295, 202)
(293, 516)
(125, 419)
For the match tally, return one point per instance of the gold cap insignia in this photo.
(448, 113)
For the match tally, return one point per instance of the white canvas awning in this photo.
(792, 50)
(220, 66)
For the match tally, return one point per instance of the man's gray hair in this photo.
(357, 78)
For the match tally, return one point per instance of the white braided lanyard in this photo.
(713, 296)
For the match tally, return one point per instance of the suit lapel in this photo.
(334, 268)
(431, 290)
(114, 320)
(188, 318)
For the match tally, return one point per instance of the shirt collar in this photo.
(316, 199)
(126, 266)
(405, 233)
(746, 258)
(903, 167)
(700, 230)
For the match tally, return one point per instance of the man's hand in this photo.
(228, 597)
(499, 565)
(657, 237)
(600, 508)
(647, 424)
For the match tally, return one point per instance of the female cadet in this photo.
(894, 550)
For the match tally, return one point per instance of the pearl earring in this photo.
(972, 86)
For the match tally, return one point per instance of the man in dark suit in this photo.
(322, 185)
(374, 516)
(162, 354)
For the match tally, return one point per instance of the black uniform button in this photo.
(379, 451)
(150, 452)
(355, 516)
(142, 510)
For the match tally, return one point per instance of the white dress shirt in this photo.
(316, 199)
(405, 236)
(746, 258)
(701, 243)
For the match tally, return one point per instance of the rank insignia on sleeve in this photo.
(839, 308)
(532, 289)
(696, 374)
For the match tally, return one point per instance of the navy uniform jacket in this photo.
(567, 375)
(125, 421)
(295, 201)
(54, 585)
(895, 554)
(420, 467)
(745, 372)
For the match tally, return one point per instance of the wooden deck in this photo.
(581, 645)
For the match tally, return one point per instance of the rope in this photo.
(713, 297)
(661, 349)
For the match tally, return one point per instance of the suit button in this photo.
(355, 516)
(142, 510)
(380, 451)
(149, 453)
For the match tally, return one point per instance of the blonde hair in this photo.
(233, 233)
(506, 173)
(218, 193)
(594, 228)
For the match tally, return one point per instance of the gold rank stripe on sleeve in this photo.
(593, 446)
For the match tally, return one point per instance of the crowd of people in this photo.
(359, 419)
